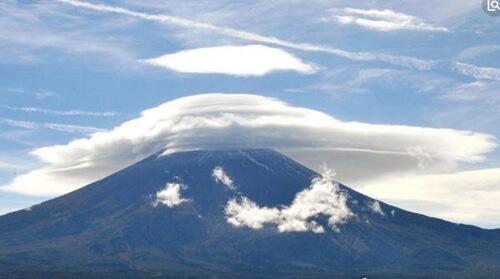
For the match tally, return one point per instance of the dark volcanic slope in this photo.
(110, 228)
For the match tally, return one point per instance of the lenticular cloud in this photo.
(231, 121)
(250, 60)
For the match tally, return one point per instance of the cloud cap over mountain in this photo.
(221, 121)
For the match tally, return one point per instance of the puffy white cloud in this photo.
(322, 197)
(469, 197)
(171, 195)
(359, 152)
(221, 176)
(384, 20)
(249, 60)
(248, 213)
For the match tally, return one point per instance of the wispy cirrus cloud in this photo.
(38, 94)
(384, 20)
(249, 60)
(19, 123)
(63, 112)
(477, 72)
(68, 128)
(478, 50)
(470, 105)
(30, 30)
(254, 37)
(404, 61)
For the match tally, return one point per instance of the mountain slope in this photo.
(113, 228)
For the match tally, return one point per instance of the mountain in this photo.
(117, 228)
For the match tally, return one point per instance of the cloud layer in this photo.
(249, 60)
(384, 20)
(322, 197)
(358, 151)
(469, 197)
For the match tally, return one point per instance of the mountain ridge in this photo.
(114, 227)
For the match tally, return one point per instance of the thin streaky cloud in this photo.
(63, 112)
(68, 128)
(162, 18)
(405, 61)
(477, 72)
(72, 128)
(384, 20)
(19, 123)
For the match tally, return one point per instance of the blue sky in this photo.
(70, 69)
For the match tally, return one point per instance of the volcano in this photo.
(234, 214)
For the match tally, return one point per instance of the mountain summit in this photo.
(234, 214)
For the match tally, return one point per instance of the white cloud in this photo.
(248, 213)
(51, 126)
(474, 105)
(229, 121)
(71, 128)
(254, 37)
(469, 197)
(322, 197)
(16, 162)
(476, 71)
(384, 20)
(376, 208)
(221, 176)
(475, 91)
(249, 60)
(478, 51)
(28, 30)
(62, 112)
(405, 61)
(171, 195)
(19, 123)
